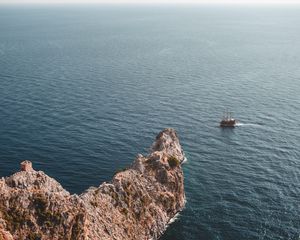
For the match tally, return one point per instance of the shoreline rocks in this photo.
(138, 203)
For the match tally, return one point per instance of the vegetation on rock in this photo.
(173, 162)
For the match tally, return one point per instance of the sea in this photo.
(85, 88)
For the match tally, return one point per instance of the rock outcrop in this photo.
(137, 204)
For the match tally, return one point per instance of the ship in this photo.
(228, 120)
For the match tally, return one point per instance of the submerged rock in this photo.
(137, 204)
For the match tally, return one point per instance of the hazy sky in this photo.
(155, 1)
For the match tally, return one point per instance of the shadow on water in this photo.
(228, 132)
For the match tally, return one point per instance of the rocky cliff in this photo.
(137, 204)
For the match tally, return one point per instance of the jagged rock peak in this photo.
(137, 204)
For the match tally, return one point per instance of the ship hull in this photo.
(228, 124)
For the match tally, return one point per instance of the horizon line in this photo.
(152, 2)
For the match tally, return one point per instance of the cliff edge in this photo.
(137, 204)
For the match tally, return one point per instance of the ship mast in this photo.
(227, 115)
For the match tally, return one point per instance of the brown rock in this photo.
(137, 204)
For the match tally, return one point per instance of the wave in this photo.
(184, 160)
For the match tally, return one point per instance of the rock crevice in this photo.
(137, 204)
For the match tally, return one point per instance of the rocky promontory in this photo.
(137, 204)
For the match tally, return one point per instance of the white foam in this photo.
(239, 124)
(177, 215)
(173, 219)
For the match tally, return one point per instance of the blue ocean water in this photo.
(85, 88)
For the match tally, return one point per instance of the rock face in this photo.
(137, 204)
